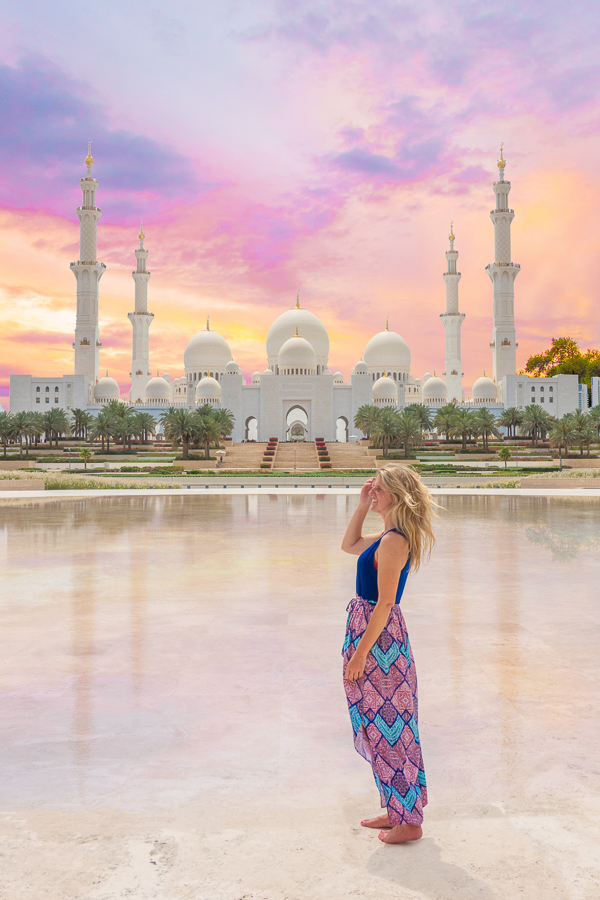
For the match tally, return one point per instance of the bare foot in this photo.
(401, 834)
(378, 822)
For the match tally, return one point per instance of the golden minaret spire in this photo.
(298, 300)
(208, 323)
(501, 161)
(89, 160)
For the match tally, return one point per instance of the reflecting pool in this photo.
(170, 678)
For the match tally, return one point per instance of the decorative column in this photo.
(88, 272)
(141, 320)
(452, 320)
(502, 273)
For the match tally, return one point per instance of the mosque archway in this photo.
(251, 429)
(341, 430)
(297, 424)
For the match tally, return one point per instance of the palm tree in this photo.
(179, 426)
(463, 426)
(85, 453)
(387, 428)
(146, 424)
(594, 416)
(504, 454)
(226, 420)
(485, 426)
(56, 422)
(410, 431)
(82, 420)
(208, 428)
(366, 419)
(39, 425)
(6, 429)
(510, 419)
(422, 414)
(444, 419)
(562, 435)
(20, 428)
(103, 427)
(534, 422)
(583, 431)
(125, 418)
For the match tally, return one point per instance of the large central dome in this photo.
(206, 350)
(307, 324)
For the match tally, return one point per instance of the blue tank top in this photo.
(366, 574)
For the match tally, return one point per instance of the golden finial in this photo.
(141, 235)
(451, 235)
(89, 160)
(387, 319)
(208, 323)
(501, 161)
(297, 335)
(298, 300)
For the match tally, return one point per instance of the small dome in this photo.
(485, 389)
(338, 378)
(255, 377)
(387, 351)
(268, 372)
(232, 368)
(385, 392)
(360, 368)
(435, 389)
(166, 376)
(297, 353)
(208, 389)
(307, 324)
(207, 349)
(107, 389)
(427, 376)
(157, 389)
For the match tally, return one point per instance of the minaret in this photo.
(503, 273)
(452, 320)
(141, 320)
(88, 272)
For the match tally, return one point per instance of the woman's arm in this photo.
(354, 542)
(391, 559)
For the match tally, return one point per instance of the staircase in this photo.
(306, 457)
(243, 456)
(351, 456)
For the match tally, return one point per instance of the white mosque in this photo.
(297, 396)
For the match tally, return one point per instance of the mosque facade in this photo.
(297, 396)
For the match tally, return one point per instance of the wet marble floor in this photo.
(174, 725)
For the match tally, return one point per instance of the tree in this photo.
(124, 418)
(410, 432)
(56, 422)
(20, 428)
(485, 426)
(82, 419)
(85, 453)
(179, 426)
(583, 430)
(561, 435)
(564, 357)
(224, 417)
(594, 416)
(443, 420)
(504, 454)
(103, 427)
(6, 429)
(463, 426)
(146, 424)
(366, 419)
(534, 422)
(422, 414)
(386, 429)
(510, 419)
(208, 428)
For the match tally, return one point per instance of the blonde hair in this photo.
(412, 510)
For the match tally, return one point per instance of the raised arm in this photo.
(354, 542)
(392, 554)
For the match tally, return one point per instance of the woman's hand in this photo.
(365, 493)
(356, 667)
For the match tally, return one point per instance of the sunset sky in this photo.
(272, 146)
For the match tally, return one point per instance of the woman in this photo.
(379, 671)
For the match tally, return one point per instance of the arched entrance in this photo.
(251, 430)
(297, 424)
(341, 430)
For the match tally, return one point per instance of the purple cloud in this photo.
(46, 121)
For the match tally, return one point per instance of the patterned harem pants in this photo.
(383, 709)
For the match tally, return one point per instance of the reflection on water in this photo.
(144, 637)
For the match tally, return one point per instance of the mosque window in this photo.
(47, 399)
(56, 390)
(542, 388)
(56, 399)
(47, 389)
(37, 399)
(541, 399)
(37, 390)
(550, 388)
(533, 387)
(550, 399)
